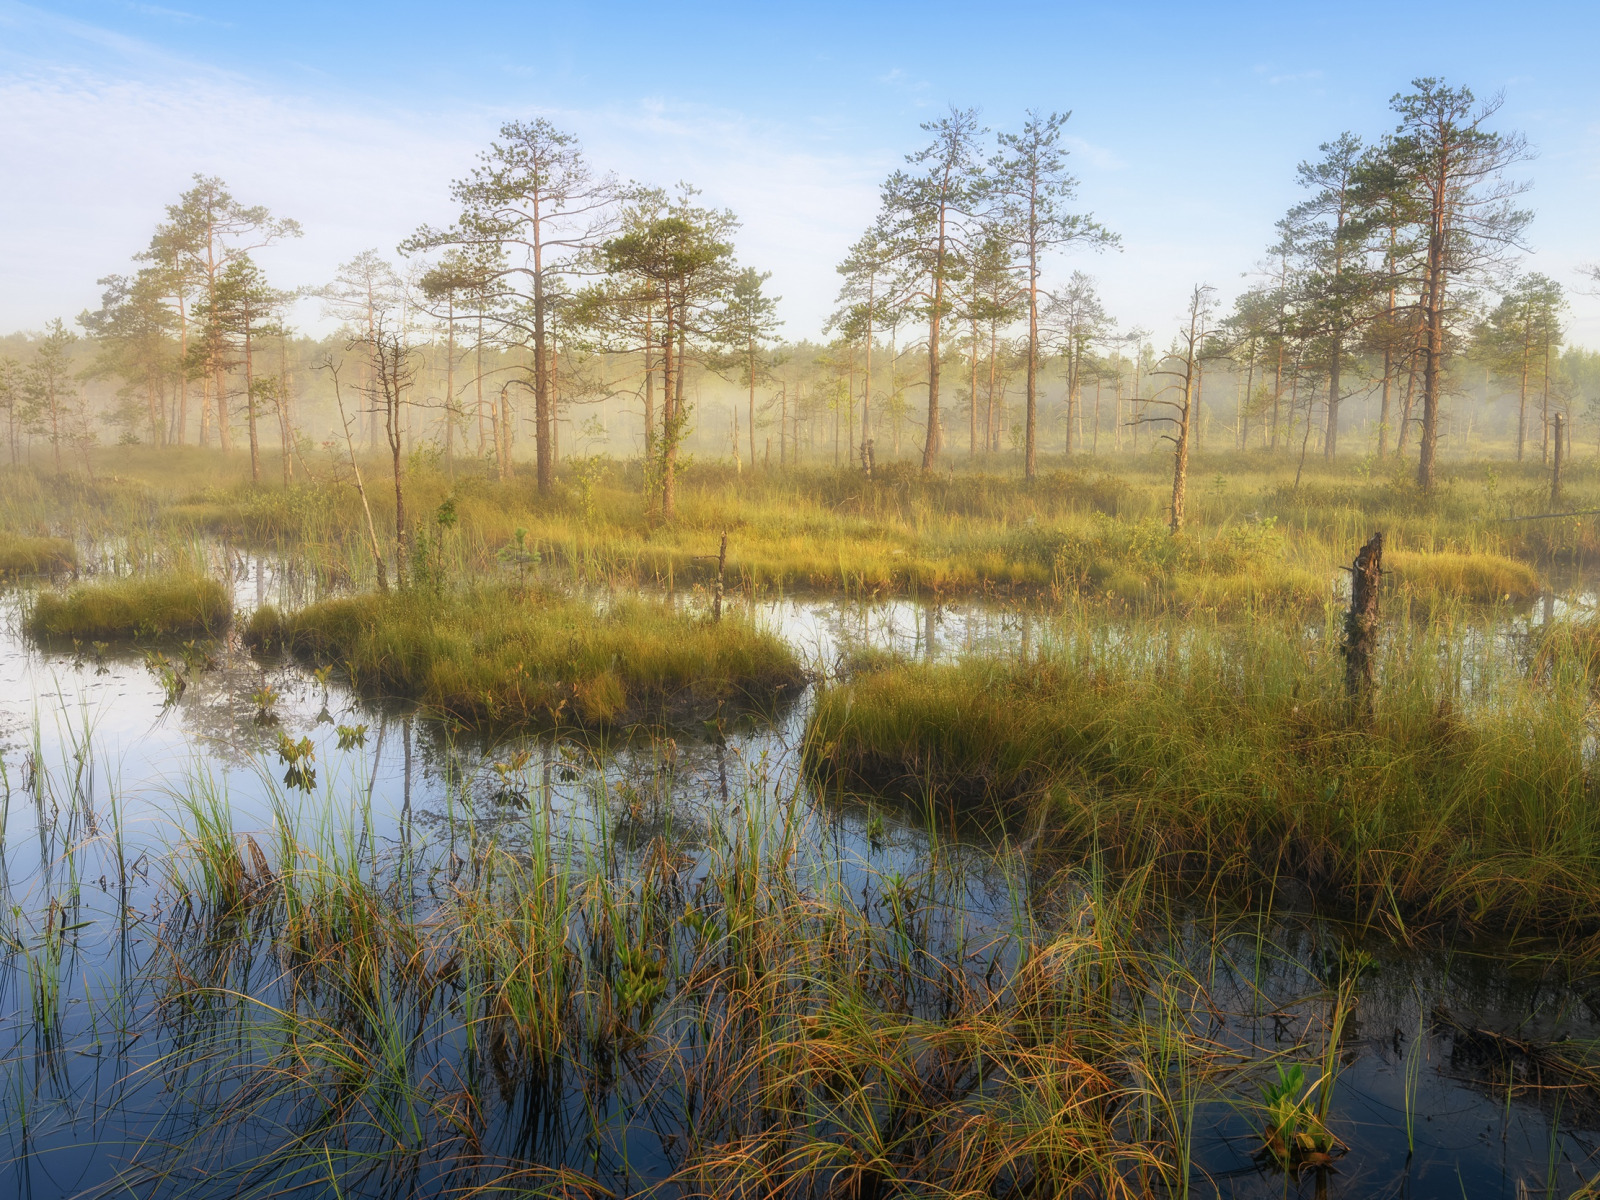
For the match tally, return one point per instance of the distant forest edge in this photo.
(569, 315)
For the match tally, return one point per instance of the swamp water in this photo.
(154, 1045)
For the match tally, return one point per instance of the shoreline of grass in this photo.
(503, 656)
(1234, 763)
(142, 606)
(1092, 531)
(1441, 577)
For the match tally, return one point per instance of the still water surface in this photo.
(1444, 1041)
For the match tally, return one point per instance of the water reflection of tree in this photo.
(219, 716)
(622, 792)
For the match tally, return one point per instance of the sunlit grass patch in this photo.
(1235, 757)
(175, 605)
(501, 656)
(1477, 578)
(21, 555)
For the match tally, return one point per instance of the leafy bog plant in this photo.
(1295, 1137)
(174, 682)
(265, 699)
(297, 758)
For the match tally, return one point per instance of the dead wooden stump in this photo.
(1361, 623)
(722, 561)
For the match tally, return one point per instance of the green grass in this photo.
(310, 1002)
(1089, 529)
(336, 1007)
(1232, 758)
(142, 606)
(1481, 578)
(505, 656)
(21, 555)
(813, 1035)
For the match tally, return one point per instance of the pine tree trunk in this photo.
(1434, 353)
(250, 404)
(972, 399)
(542, 449)
(1330, 440)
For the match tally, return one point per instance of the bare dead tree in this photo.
(394, 366)
(333, 368)
(1175, 401)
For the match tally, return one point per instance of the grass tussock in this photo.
(146, 606)
(1234, 760)
(1481, 578)
(504, 656)
(790, 1034)
(21, 555)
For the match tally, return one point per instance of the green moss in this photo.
(502, 656)
(177, 605)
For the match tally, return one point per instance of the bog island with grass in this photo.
(528, 717)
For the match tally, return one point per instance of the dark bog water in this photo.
(154, 1047)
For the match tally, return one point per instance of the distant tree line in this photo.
(559, 289)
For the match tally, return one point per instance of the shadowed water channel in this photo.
(1458, 1073)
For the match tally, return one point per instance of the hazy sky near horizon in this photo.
(1188, 120)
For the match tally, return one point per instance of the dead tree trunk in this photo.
(1361, 623)
(1555, 470)
(722, 562)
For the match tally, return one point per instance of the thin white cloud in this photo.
(176, 16)
(103, 131)
(1099, 157)
(102, 155)
(51, 36)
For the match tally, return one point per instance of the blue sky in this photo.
(1188, 120)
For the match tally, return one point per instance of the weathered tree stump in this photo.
(722, 562)
(1361, 623)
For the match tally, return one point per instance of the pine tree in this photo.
(1031, 187)
(1454, 168)
(927, 217)
(534, 202)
